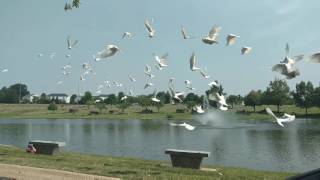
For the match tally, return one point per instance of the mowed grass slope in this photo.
(40, 111)
(127, 168)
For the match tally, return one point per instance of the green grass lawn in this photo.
(127, 168)
(313, 112)
(39, 111)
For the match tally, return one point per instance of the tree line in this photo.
(278, 93)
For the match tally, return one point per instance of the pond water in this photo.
(233, 142)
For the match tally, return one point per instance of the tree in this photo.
(253, 99)
(112, 99)
(192, 100)
(86, 98)
(144, 102)
(279, 93)
(234, 99)
(164, 97)
(43, 99)
(120, 95)
(158, 105)
(100, 106)
(316, 97)
(303, 96)
(52, 106)
(73, 99)
(123, 105)
(14, 93)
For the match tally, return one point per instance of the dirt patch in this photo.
(28, 173)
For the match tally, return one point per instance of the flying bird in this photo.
(109, 51)
(284, 118)
(187, 82)
(4, 70)
(132, 79)
(148, 71)
(174, 94)
(286, 67)
(52, 55)
(245, 50)
(82, 78)
(124, 98)
(154, 97)
(150, 29)
(67, 7)
(184, 34)
(148, 85)
(198, 109)
(231, 39)
(204, 75)
(127, 35)
(59, 82)
(161, 61)
(70, 43)
(212, 36)
(220, 99)
(193, 62)
(185, 125)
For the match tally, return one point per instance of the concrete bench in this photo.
(186, 158)
(47, 147)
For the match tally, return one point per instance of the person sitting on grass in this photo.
(31, 149)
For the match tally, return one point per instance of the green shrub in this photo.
(52, 106)
(169, 116)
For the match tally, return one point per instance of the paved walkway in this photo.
(28, 173)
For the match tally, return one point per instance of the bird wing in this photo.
(281, 68)
(164, 56)
(148, 26)
(189, 127)
(68, 41)
(287, 49)
(202, 73)
(315, 58)
(192, 60)
(269, 111)
(171, 90)
(231, 39)
(74, 43)
(184, 33)
(214, 32)
(148, 68)
(298, 58)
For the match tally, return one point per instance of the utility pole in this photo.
(20, 92)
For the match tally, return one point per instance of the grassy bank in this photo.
(126, 168)
(40, 111)
(259, 114)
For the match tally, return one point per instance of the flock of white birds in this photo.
(285, 67)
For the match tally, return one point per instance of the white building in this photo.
(60, 97)
(30, 98)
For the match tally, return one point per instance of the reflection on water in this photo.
(259, 145)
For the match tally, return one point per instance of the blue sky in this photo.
(37, 26)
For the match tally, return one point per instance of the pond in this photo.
(237, 143)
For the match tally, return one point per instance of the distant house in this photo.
(30, 98)
(60, 97)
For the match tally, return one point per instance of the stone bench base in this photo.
(46, 147)
(186, 158)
